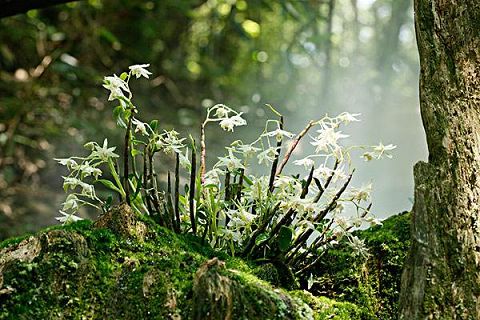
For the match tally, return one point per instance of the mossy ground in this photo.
(372, 283)
(83, 272)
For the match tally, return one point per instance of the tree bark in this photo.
(441, 278)
(13, 7)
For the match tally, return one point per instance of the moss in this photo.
(268, 272)
(84, 271)
(325, 308)
(372, 284)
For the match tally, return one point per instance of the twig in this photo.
(290, 215)
(148, 199)
(251, 241)
(170, 210)
(307, 184)
(154, 193)
(125, 160)
(327, 182)
(324, 212)
(331, 238)
(227, 195)
(293, 145)
(191, 197)
(203, 153)
(240, 185)
(304, 236)
(177, 192)
(275, 161)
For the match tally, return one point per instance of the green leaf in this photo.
(154, 124)
(135, 152)
(118, 116)
(124, 76)
(109, 184)
(284, 238)
(201, 215)
(247, 180)
(109, 201)
(261, 238)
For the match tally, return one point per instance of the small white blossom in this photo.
(246, 149)
(342, 222)
(213, 177)
(88, 170)
(235, 235)
(228, 124)
(306, 162)
(222, 111)
(382, 150)
(300, 205)
(230, 162)
(267, 156)
(358, 246)
(140, 127)
(284, 182)
(310, 282)
(104, 152)
(279, 134)
(69, 163)
(327, 139)
(67, 217)
(70, 183)
(323, 172)
(71, 203)
(347, 117)
(169, 142)
(88, 190)
(339, 207)
(116, 86)
(357, 222)
(139, 70)
(362, 193)
(373, 221)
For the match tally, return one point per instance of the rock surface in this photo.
(126, 267)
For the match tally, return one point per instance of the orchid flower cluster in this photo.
(271, 216)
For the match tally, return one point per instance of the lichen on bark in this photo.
(441, 278)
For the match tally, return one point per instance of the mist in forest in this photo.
(306, 58)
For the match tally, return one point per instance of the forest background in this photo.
(306, 58)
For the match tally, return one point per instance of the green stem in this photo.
(116, 178)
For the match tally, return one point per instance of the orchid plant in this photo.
(294, 218)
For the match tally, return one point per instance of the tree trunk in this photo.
(441, 278)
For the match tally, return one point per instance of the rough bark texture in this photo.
(441, 279)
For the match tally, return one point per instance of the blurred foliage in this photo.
(240, 52)
(373, 284)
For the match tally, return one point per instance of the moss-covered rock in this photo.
(372, 283)
(106, 270)
(325, 308)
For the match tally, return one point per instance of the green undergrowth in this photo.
(373, 283)
(83, 272)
